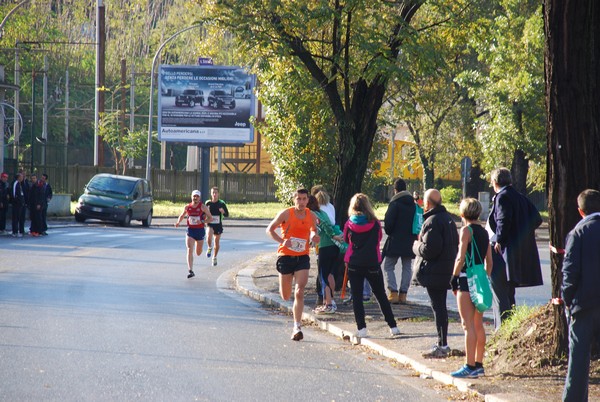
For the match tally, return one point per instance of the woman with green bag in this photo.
(473, 244)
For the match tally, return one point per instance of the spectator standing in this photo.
(581, 276)
(47, 190)
(363, 234)
(326, 206)
(37, 203)
(471, 237)
(418, 199)
(327, 253)
(435, 251)
(398, 224)
(29, 200)
(4, 201)
(512, 223)
(218, 210)
(18, 205)
(298, 228)
(197, 215)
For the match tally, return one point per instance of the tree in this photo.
(508, 86)
(572, 103)
(349, 48)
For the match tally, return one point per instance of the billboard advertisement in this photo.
(205, 104)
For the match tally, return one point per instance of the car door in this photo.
(139, 205)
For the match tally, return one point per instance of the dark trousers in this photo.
(3, 212)
(327, 264)
(584, 327)
(373, 275)
(18, 219)
(440, 313)
(504, 291)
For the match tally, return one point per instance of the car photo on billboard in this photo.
(219, 99)
(190, 97)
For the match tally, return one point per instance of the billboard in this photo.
(205, 104)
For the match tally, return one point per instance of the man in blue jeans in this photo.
(581, 276)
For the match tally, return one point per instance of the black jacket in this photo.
(398, 226)
(436, 250)
(514, 219)
(581, 266)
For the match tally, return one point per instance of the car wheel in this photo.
(192, 103)
(148, 221)
(232, 106)
(127, 220)
(79, 218)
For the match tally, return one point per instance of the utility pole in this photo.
(100, 62)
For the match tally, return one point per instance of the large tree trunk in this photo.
(356, 135)
(518, 171)
(573, 103)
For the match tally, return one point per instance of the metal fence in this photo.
(169, 185)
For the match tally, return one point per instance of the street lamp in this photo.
(151, 107)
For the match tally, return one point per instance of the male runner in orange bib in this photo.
(298, 227)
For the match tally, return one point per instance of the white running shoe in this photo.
(214, 261)
(362, 333)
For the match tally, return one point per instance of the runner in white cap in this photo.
(197, 214)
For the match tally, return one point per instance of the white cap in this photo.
(196, 192)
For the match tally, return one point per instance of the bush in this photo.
(451, 195)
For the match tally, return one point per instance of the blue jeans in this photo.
(584, 326)
(389, 266)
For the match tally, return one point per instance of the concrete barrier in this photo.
(60, 205)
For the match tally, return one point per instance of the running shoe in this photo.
(329, 309)
(465, 372)
(208, 252)
(367, 300)
(297, 334)
(214, 261)
(480, 372)
(438, 352)
(395, 331)
(362, 333)
(191, 274)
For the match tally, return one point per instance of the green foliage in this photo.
(451, 195)
(509, 85)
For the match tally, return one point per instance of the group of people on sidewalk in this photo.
(25, 194)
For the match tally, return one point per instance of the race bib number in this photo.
(298, 245)
(195, 220)
(216, 219)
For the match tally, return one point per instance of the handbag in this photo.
(479, 283)
(417, 220)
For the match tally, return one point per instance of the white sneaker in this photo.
(362, 333)
(395, 331)
(214, 262)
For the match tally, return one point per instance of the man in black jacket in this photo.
(398, 227)
(435, 252)
(512, 221)
(18, 206)
(581, 276)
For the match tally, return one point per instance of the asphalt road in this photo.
(98, 312)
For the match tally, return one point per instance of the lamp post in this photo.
(151, 107)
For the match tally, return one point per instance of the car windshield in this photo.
(189, 92)
(111, 185)
(219, 92)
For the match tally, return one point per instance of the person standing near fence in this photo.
(581, 276)
(4, 201)
(298, 227)
(47, 190)
(18, 205)
(218, 210)
(197, 215)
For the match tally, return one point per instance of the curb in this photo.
(244, 283)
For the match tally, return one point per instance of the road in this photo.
(100, 312)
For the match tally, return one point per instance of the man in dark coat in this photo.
(4, 200)
(512, 221)
(581, 276)
(47, 190)
(398, 227)
(18, 206)
(435, 252)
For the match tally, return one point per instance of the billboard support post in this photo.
(151, 106)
